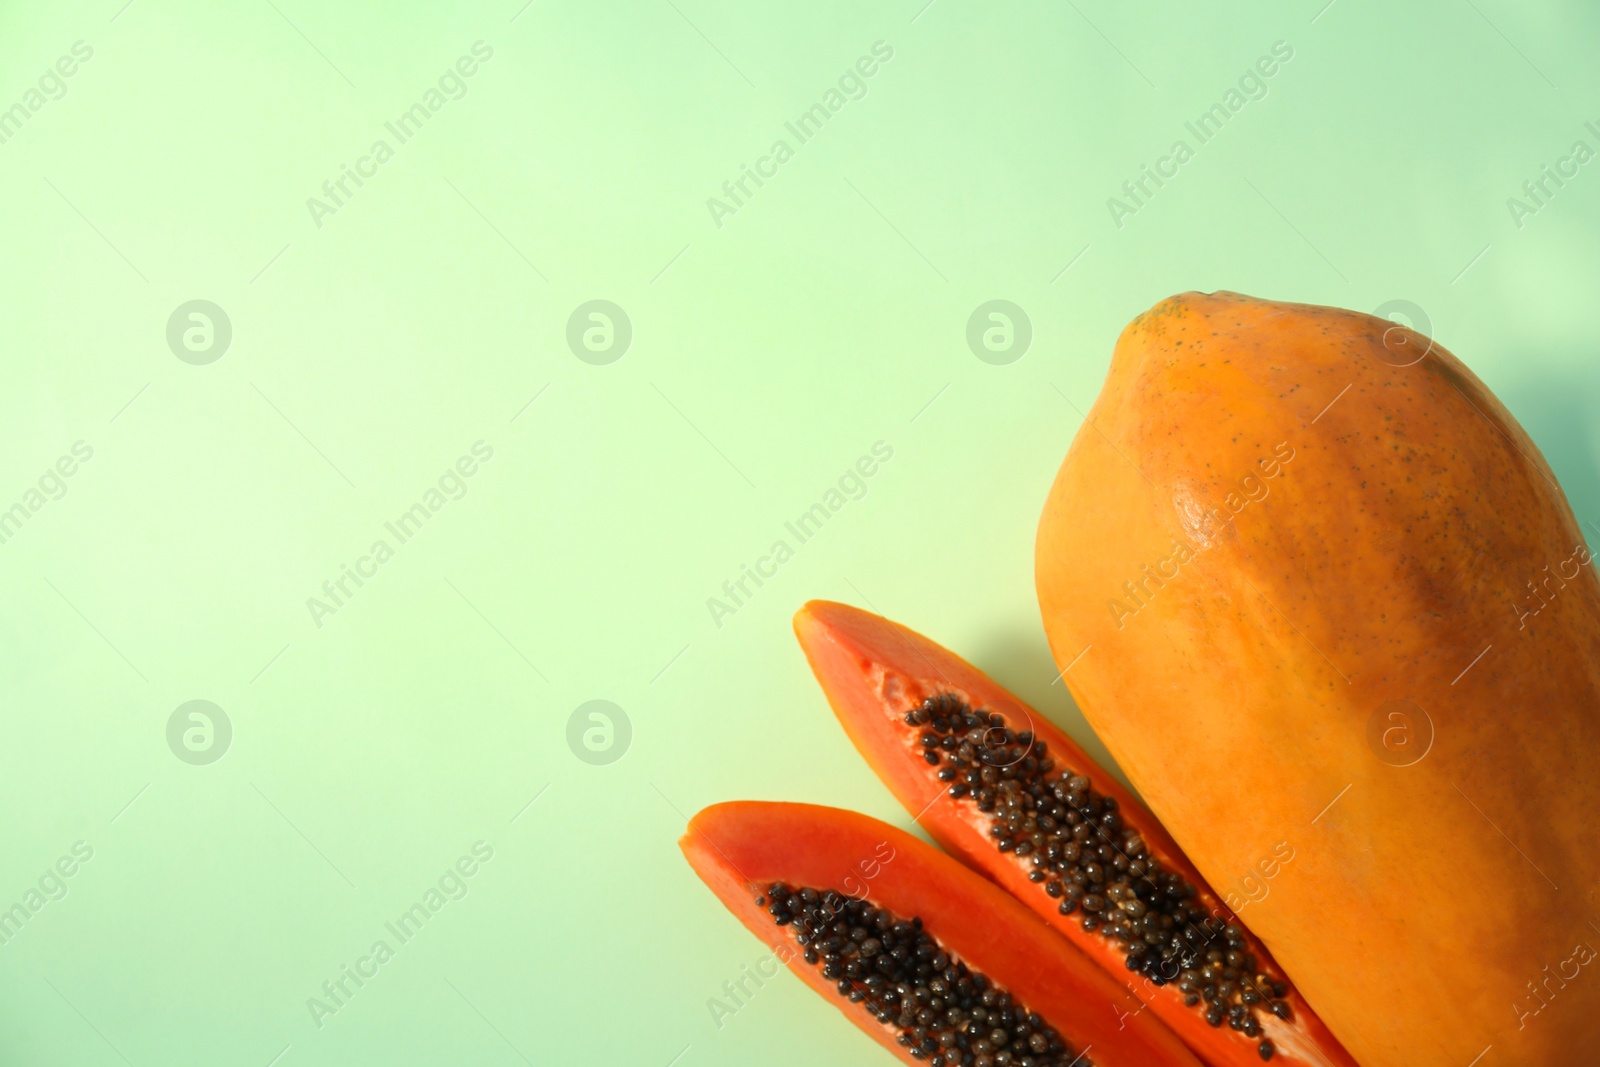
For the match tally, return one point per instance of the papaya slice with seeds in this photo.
(935, 963)
(999, 786)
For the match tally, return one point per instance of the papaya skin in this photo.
(739, 848)
(1247, 688)
(874, 670)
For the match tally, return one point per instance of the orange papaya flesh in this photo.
(936, 964)
(1310, 545)
(1009, 793)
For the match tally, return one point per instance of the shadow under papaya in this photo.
(1560, 414)
(1018, 657)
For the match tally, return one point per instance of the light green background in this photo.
(768, 354)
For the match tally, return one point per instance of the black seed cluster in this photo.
(1083, 856)
(946, 1014)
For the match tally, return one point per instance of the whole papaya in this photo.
(1322, 598)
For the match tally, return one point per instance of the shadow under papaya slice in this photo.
(999, 786)
(934, 962)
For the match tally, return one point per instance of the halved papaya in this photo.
(938, 965)
(1002, 788)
